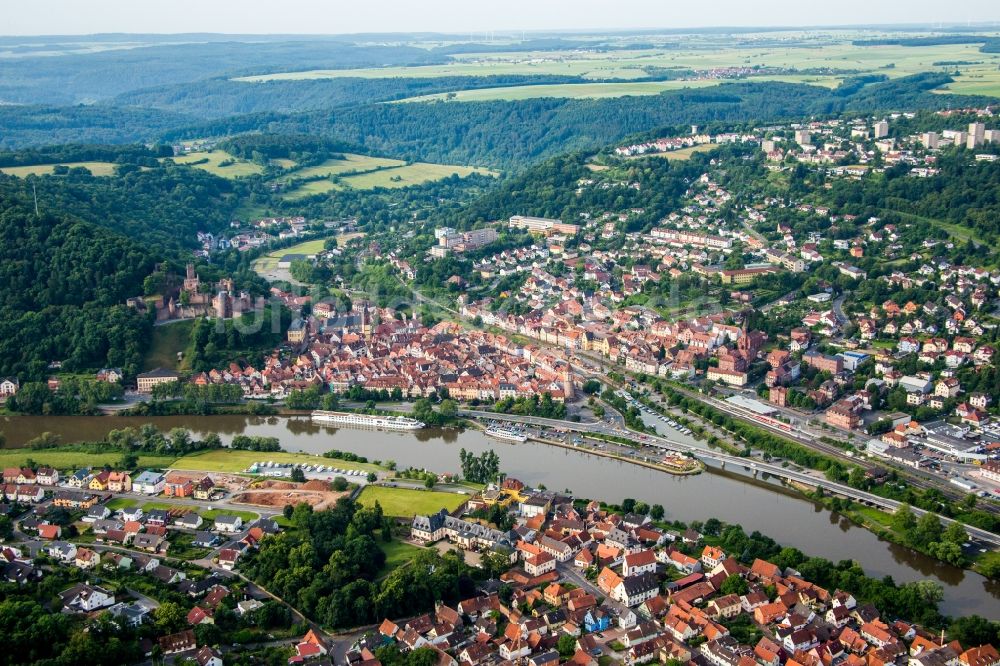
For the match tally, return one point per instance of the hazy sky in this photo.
(59, 17)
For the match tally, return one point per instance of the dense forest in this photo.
(65, 283)
(331, 568)
(511, 134)
(76, 79)
(501, 134)
(216, 98)
(163, 206)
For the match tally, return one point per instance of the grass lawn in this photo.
(95, 168)
(164, 506)
(311, 188)
(121, 503)
(987, 558)
(74, 460)
(212, 514)
(874, 515)
(397, 553)
(351, 162)
(270, 261)
(182, 547)
(405, 502)
(412, 174)
(233, 461)
(168, 339)
(239, 168)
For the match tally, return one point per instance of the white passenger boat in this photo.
(506, 433)
(367, 420)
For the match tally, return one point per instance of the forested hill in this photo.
(512, 134)
(64, 286)
(551, 190)
(75, 79)
(163, 207)
(221, 97)
(504, 134)
(33, 125)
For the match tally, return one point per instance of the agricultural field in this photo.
(235, 461)
(975, 80)
(351, 162)
(566, 90)
(95, 168)
(74, 460)
(406, 502)
(392, 177)
(823, 52)
(219, 163)
(311, 188)
(412, 174)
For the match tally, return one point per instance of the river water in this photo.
(730, 495)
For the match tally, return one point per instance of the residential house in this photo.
(149, 483)
(228, 523)
(84, 598)
(182, 641)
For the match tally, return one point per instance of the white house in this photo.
(62, 551)
(634, 590)
(83, 598)
(226, 523)
(149, 483)
(642, 562)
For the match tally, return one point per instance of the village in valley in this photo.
(804, 308)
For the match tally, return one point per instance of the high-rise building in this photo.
(929, 140)
(881, 129)
(803, 138)
(977, 132)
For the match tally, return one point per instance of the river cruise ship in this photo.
(367, 420)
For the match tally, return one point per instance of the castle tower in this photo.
(191, 281)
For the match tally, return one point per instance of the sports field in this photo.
(95, 168)
(406, 502)
(234, 461)
(219, 163)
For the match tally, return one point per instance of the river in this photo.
(729, 495)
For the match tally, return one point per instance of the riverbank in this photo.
(731, 495)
